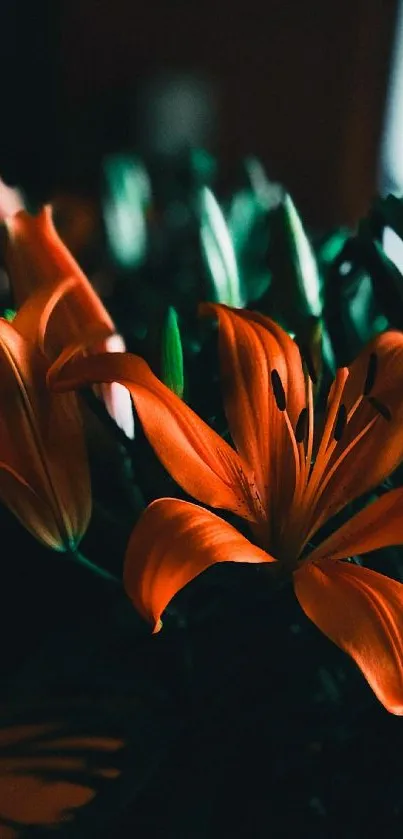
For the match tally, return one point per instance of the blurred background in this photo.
(312, 88)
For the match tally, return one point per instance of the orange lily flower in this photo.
(36, 258)
(44, 475)
(283, 477)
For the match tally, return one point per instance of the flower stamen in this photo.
(327, 443)
(371, 373)
(278, 391)
(320, 490)
(281, 402)
(301, 427)
(382, 409)
(340, 424)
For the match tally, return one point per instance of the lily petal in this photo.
(32, 319)
(377, 526)
(33, 512)
(42, 443)
(380, 381)
(198, 459)
(173, 542)
(362, 612)
(65, 451)
(359, 463)
(35, 254)
(39, 263)
(35, 258)
(251, 348)
(295, 380)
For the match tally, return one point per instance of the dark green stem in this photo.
(77, 557)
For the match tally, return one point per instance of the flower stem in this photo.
(78, 557)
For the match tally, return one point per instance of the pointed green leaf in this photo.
(296, 280)
(172, 354)
(218, 252)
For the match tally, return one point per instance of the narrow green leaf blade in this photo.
(218, 252)
(172, 354)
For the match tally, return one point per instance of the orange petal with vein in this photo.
(44, 477)
(362, 612)
(35, 254)
(251, 347)
(292, 356)
(377, 526)
(196, 457)
(36, 258)
(388, 349)
(38, 263)
(379, 451)
(33, 317)
(173, 542)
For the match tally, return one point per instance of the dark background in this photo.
(300, 84)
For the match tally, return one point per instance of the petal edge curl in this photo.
(173, 542)
(362, 612)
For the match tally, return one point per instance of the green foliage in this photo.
(218, 251)
(172, 354)
(296, 279)
(9, 314)
(127, 195)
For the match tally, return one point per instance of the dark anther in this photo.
(380, 407)
(278, 390)
(301, 427)
(340, 423)
(371, 373)
(306, 356)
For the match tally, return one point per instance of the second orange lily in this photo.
(44, 474)
(282, 477)
(37, 260)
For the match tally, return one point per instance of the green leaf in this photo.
(243, 213)
(126, 200)
(387, 281)
(296, 280)
(332, 246)
(9, 314)
(218, 252)
(266, 193)
(172, 354)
